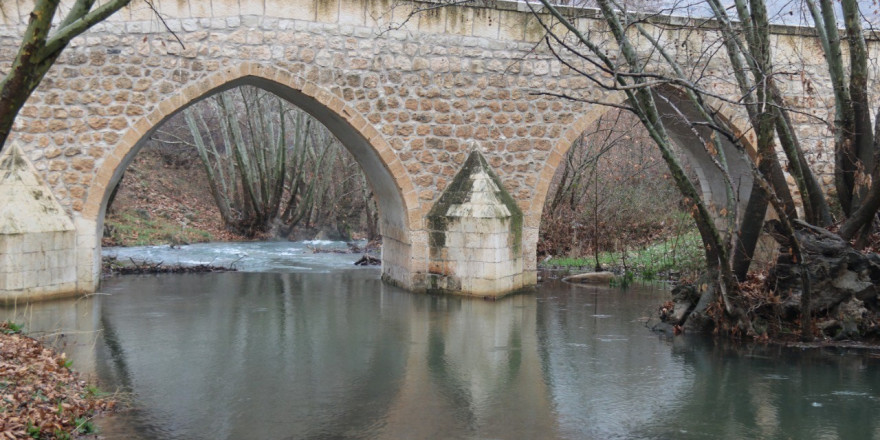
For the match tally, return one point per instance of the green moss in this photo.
(459, 192)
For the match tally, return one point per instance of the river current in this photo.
(305, 345)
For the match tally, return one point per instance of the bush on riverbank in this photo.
(40, 397)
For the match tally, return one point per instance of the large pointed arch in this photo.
(391, 184)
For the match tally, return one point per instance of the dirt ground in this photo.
(164, 199)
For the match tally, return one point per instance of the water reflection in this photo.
(776, 392)
(341, 355)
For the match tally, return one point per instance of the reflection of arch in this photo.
(395, 194)
(680, 133)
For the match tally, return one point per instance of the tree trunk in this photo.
(39, 50)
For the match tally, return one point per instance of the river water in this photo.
(312, 347)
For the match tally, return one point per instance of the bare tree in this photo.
(272, 168)
(856, 143)
(643, 63)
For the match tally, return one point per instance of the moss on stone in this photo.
(459, 192)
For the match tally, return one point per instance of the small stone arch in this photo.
(399, 207)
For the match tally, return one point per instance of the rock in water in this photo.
(368, 260)
(684, 300)
(591, 278)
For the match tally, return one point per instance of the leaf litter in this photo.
(40, 396)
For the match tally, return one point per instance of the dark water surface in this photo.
(337, 354)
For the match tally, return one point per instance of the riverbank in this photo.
(40, 396)
(164, 199)
(672, 259)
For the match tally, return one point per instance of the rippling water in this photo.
(325, 350)
(266, 256)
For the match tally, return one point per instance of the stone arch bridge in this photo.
(440, 108)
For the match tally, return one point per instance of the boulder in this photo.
(684, 300)
(590, 278)
(838, 273)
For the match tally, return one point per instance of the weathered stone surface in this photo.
(838, 273)
(37, 237)
(28, 206)
(475, 231)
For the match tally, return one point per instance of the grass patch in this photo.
(130, 228)
(682, 254)
(10, 328)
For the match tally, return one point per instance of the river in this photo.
(307, 346)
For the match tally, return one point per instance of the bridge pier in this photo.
(475, 236)
(37, 238)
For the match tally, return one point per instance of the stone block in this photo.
(253, 7)
(67, 274)
(45, 278)
(490, 270)
(433, 20)
(475, 240)
(380, 13)
(11, 244)
(173, 8)
(200, 9)
(298, 10)
(469, 270)
(530, 263)
(459, 21)
(32, 242)
(516, 281)
(504, 269)
(224, 9)
(486, 23)
(14, 281)
(456, 239)
(352, 12)
(529, 278)
(16, 262)
(512, 25)
(327, 11)
(496, 240)
(485, 255)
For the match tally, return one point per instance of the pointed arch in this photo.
(681, 134)
(399, 207)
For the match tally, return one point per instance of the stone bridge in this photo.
(443, 109)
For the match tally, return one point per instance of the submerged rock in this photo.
(368, 260)
(591, 278)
